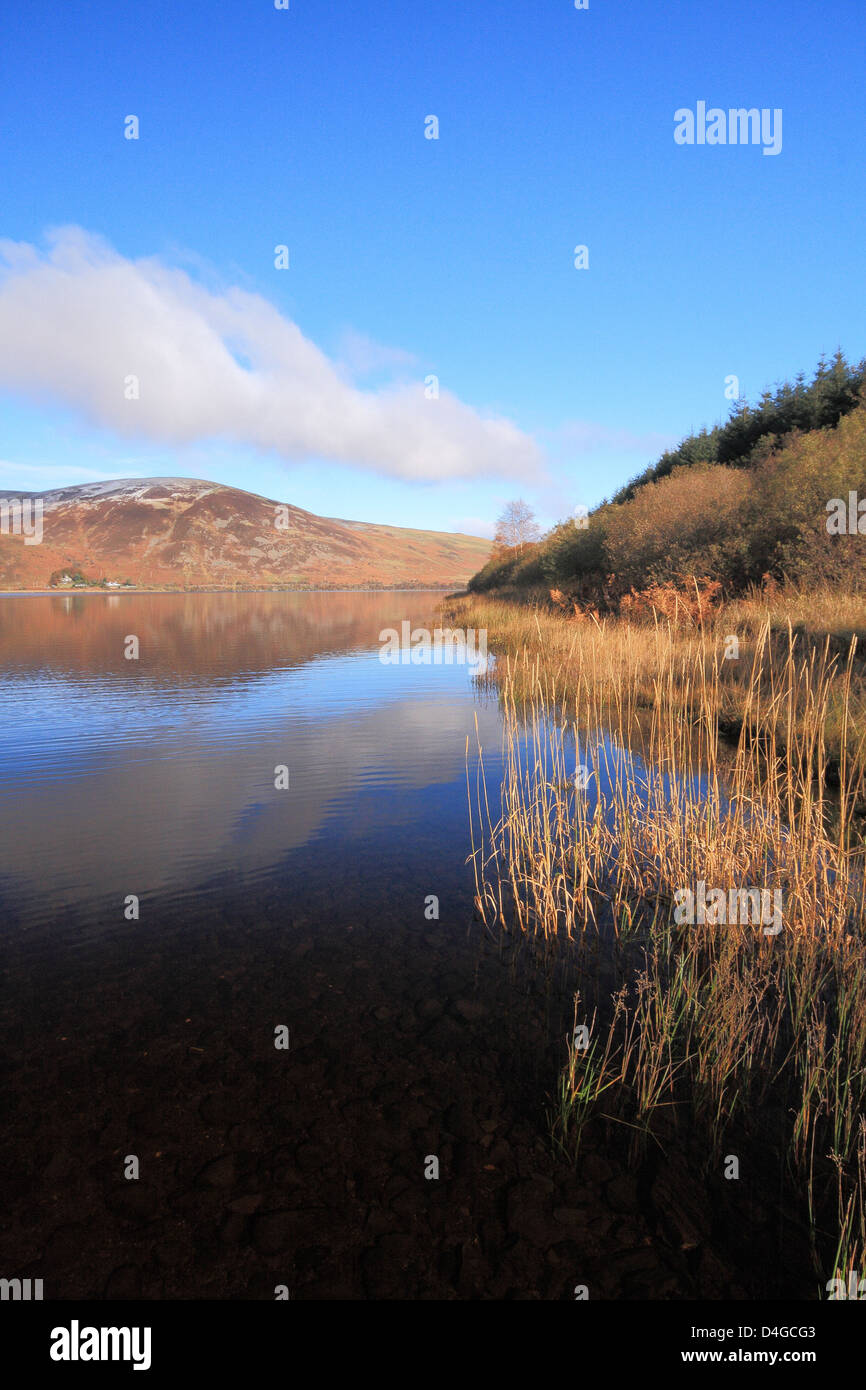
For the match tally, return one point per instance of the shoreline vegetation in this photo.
(682, 679)
(748, 1041)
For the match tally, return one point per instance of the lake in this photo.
(155, 776)
(246, 1053)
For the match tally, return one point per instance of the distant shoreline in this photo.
(115, 593)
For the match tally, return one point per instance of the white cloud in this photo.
(361, 356)
(587, 437)
(79, 319)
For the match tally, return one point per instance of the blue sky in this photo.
(407, 256)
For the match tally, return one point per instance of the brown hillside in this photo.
(183, 532)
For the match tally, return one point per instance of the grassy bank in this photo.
(642, 760)
(718, 664)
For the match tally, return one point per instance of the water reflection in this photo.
(154, 776)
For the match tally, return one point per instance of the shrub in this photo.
(688, 523)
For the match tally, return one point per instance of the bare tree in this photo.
(516, 527)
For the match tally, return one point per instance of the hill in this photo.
(776, 494)
(188, 533)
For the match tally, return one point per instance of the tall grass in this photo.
(617, 795)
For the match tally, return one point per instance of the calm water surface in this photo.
(264, 908)
(155, 776)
